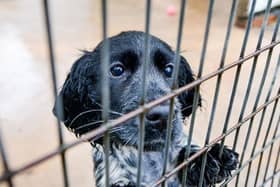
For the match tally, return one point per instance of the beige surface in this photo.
(28, 125)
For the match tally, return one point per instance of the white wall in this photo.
(261, 5)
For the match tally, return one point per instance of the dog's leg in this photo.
(217, 168)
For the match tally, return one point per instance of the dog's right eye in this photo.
(117, 70)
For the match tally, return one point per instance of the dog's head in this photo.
(81, 92)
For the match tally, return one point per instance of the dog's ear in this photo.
(185, 77)
(72, 98)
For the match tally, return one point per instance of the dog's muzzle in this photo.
(157, 117)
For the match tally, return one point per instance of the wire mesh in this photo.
(267, 146)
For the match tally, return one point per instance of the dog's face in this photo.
(81, 93)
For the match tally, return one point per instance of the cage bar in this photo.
(270, 152)
(248, 90)
(59, 102)
(213, 142)
(263, 114)
(237, 72)
(141, 133)
(270, 144)
(275, 166)
(5, 160)
(217, 89)
(104, 130)
(110, 124)
(258, 97)
(105, 57)
(196, 94)
(252, 153)
(174, 85)
(271, 177)
(251, 159)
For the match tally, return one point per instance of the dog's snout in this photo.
(157, 114)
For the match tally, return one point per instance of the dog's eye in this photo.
(168, 69)
(117, 70)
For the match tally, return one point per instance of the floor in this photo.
(28, 126)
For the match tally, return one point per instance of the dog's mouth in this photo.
(154, 135)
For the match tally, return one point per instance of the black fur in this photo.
(81, 96)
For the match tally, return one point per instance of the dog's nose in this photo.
(157, 114)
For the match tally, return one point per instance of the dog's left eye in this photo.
(117, 70)
(168, 69)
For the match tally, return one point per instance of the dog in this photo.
(82, 109)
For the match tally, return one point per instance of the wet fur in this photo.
(81, 96)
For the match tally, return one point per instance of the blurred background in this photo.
(26, 99)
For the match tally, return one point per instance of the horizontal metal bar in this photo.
(271, 117)
(259, 93)
(213, 142)
(97, 132)
(270, 178)
(251, 159)
(276, 163)
(270, 151)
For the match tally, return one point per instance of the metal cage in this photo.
(265, 156)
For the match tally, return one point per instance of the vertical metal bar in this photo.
(105, 88)
(59, 104)
(141, 134)
(248, 90)
(237, 73)
(5, 160)
(275, 165)
(197, 88)
(217, 89)
(257, 99)
(263, 114)
(252, 73)
(251, 159)
(174, 86)
(268, 129)
(271, 149)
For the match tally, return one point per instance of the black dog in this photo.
(81, 95)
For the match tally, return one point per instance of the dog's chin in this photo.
(156, 144)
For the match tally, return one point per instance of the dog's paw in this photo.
(217, 168)
(212, 169)
(227, 162)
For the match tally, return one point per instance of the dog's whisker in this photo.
(89, 124)
(187, 107)
(89, 111)
(99, 122)
(130, 138)
(111, 111)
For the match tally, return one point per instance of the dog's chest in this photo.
(152, 168)
(123, 167)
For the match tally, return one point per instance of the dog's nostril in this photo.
(158, 113)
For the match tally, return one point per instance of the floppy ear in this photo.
(72, 99)
(185, 77)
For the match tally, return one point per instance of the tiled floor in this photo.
(28, 126)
